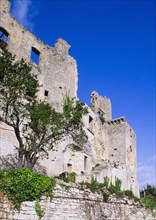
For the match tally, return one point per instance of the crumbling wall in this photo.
(55, 68)
(67, 157)
(101, 106)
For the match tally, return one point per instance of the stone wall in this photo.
(101, 106)
(75, 204)
(55, 68)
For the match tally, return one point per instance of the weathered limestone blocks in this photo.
(101, 106)
(55, 68)
(74, 204)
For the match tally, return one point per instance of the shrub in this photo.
(105, 196)
(24, 185)
(115, 188)
(68, 177)
(149, 203)
(106, 182)
(39, 211)
(148, 197)
(93, 185)
(102, 119)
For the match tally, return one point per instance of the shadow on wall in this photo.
(10, 162)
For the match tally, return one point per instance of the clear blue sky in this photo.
(114, 45)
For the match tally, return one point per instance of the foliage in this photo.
(129, 193)
(68, 177)
(107, 188)
(148, 197)
(149, 202)
(25, 185)
(102, 119)
(106, 182)
(37, 126)
(105, 196)
(39, 211)
(115, 188)
(94, 185)
(150, 191)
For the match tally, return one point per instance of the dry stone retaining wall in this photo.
(74, 204)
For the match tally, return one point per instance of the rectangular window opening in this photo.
(46, 93)
(35, 55)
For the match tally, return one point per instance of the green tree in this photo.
(37, 126)
(148, 197)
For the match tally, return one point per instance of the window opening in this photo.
(46, 93)
(90, 119)
(69, 167)
(35, 55)
(3, 38)
(99, 114)
(130, 148)
(85, 162)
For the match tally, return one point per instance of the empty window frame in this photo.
(85, 162)
(35, 54)
(3, 38)
(46, 93)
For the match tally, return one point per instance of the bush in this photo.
(148, 197)
(149, 203)
(68, 177)
(115, 188)
(94, 185)
(39, 211)
(105, 197)
(106, 182)
(24, 185)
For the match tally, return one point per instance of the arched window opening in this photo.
(3, 38)
(35, 55)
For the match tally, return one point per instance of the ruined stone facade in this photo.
(111, 147)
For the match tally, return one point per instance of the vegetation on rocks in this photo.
(148, 197)
(107, 188)
(68, 177)
(24, 185)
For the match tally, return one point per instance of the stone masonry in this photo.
(111, 147)
(75, 204)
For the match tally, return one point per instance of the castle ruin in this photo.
(111, 147)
